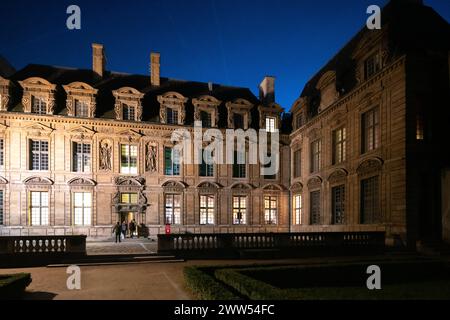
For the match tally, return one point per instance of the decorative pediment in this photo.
(129, 181)
(172, 98)
(81, 131)
(206, 100)
(297, 187)
(174, 186)
(39, 181)
(339, 175)
(337, 119)
(208, 104)
(208, 187)
(241, 186)
(36, 83)
(128, 92)
(79, 87)
(130, 134)
(3, 181)
(369, 166)
(243, 103)
(314, 183)
(38, 129)
(81, 182)
(273, 187)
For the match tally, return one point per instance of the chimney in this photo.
(98, 59)
(155, 69)
(267, 90)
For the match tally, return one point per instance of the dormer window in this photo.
(239, 116)
(81, 109)
(129, 113)
(171, 116)
(299, 120)
(4, 93)
(172, 108)
(238, 120)
(38, 106)
(80, 100)
(271, 124)
(206, 111)
(372, 65)
(128, 104)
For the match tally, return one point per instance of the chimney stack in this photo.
(98, 59)
(267, 90)
(155, 69)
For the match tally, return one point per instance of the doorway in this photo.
(128, 217)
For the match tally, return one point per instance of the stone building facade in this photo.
(366, 147)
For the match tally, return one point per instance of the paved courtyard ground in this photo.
(127, 246)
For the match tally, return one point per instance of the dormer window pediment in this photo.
(206, 110)
(38, 96)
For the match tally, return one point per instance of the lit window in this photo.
(39, 208)
(315, 207)
(239, 210)
(338, 204)
(206, 209)
(270, 124)
(339, 145)
(370, 130)
(298, 209)
(129, 113)
(129, 198)
(316, 147)
(81, 157)
(172, 116)
(419, 128)
(81, 109)
(39, 155)
(171, 163)
(38, 106)
(270, 209)
(82, 208)
(173, 208)
(128, 163)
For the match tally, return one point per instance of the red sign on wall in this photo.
(167, 228)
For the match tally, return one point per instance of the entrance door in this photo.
(127, 217)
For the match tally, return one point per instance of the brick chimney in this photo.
(155, 69)
(98, 59)
(267, 90)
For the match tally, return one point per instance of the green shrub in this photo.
(205, 287)
(13, 286)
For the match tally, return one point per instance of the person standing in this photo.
(124, 229)
(117, 231)
(132, 228)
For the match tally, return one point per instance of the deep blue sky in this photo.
(233, 42)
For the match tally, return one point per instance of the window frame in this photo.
(271, 212)
(315, 217)
(173, 218)
(40, 209)
(370, 134)
(297, 210)
(209, 211)
(43, 164)
(126, 167)
(235, 210)
(339, 151)
(175, 169)
(85, 206)
(315, 156)
(338, 196)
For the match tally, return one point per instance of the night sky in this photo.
(232, 42)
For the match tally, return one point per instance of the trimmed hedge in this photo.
(205, 287)
(13, 286)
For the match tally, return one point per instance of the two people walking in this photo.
(120, 230)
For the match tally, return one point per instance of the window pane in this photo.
(315, 207)
(338, 204)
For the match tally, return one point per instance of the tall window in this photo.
(299, 120)
(270, 209)
(339, 145)
(129, 112)
(173, 209)
(270, 124)
(419, 128)
(316, 147)
(338, 204)
(206, 209)
(372, 65)
(315, 207)
(171, 164)
(39, 208)
(206, 119)
(238, 120)
(239, 209)
(297, 163)
(81, 109)
(39, 155)
(38, 106)
(82, 208)
(370, 212)
(128, 159)
(129, 197)
(172, 116)
(81, 157)
(297, 209)
(239, 166)
(370, 130)
(2, 218)
(2, 153)
(206, 169)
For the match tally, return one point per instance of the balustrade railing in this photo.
(35, 245)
